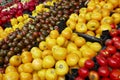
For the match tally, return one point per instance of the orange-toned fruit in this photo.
(25, 76)
(91, 33)
(93, 25)
(81, 19)
(79, 41)
(107, 20)
(46, 53)
(96, 16)
(15, 60)
(81, 27)
(74, 35)
(11, 76)
(10, 69)
(116, 18)
(72, 59)
(35, 76)
(26, 57)
(114, 2)
(48, 61)
(109, 6)
(66, 33)
(27, 67)
(88, 16)
(82, 61)
(105, 12)
(20, 68)
(61, 78)
(54, 34)
(1, 76)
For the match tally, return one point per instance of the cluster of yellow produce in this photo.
(96, 17)
(53, 59)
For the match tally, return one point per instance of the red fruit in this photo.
(116, 38)
(83, 72)
(104, 53)
(115, 74)
(89, 64)
(101, 60)
(113, 26)
(114, 32)
(103, 71)
(117, 44)
(105, 78)
(93, 75)
(79, 78)
(111, 49)
(108, 42)
(113, 62)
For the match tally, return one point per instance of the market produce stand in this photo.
(60, 40)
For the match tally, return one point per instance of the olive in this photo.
(5, 46)
(2, 70)
(16, 49)
(26, 41)
(6, 60)
(45, 26)
(1, 61)
(44, 32)
(42, 37)
(14, 44)
(31, 37)
(10, 53)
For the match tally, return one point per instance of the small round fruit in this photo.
(89, 64)
(48, 61)
(20, 68)
(26, 57)
(66, 33)
(35, 76)
(46, 53)
(25, 76)
(72, 59)
(93, 75)
(96, 46)
(37, 64)
(51, 74)
(54, 34)
(11, 76)
(42, 74)
(36, 52)
(43, 45)
(103, 71)
(82, 61)
(79, 41)
(10, 69)
(60, 40)
(81, 27)
(15, 60)
(83, 72)
(61, 68)
(27, 67)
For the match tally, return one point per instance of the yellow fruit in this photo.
(81, 27)
(11, 76)
(15, 60)
(61, 40)
(66, 33)
(72, 59)
(37, 64)
(107, 20)
(91, 33)
(61, 68)
(20, 68)
(42, 74)
(116, 18)
(20, 19)
(51, 43)
(54, 34)
(108, 6)
(105, 27)
(71, 24)
(10, 69)
(25, 76)
(1, 76)
(78, 52)
(83, 10)
(46, 53)
(79, 41)
(88, 16)
(35, 76)
(105, 12)
(102, 3)
(90, 8)
(36, 52)
(74, 35)
(93, 25)
(89, 53)
(82, 61)
(96, 46)
(82, 15)
(115, 3)
(13, 21)
(27, 67)
(43, 45)
(71, 47)
(96, 16)
(61, 78)
(59, 53)
(26, 57)
(48, 61)
(81, 19)
(51, 74)
(25, 16)
(74, 17)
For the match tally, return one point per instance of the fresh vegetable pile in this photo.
(64, 41)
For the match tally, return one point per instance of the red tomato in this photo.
(89, 64)
(111, 49)
(116, 38)
(103, 71)
(113, 26)
(101, 60)
(117, 45)
(113, 62)
(83, 72)
(114, 32)
(79, 78)
(104, 53)
(108, 42)
(115, 74)
(105, 78)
